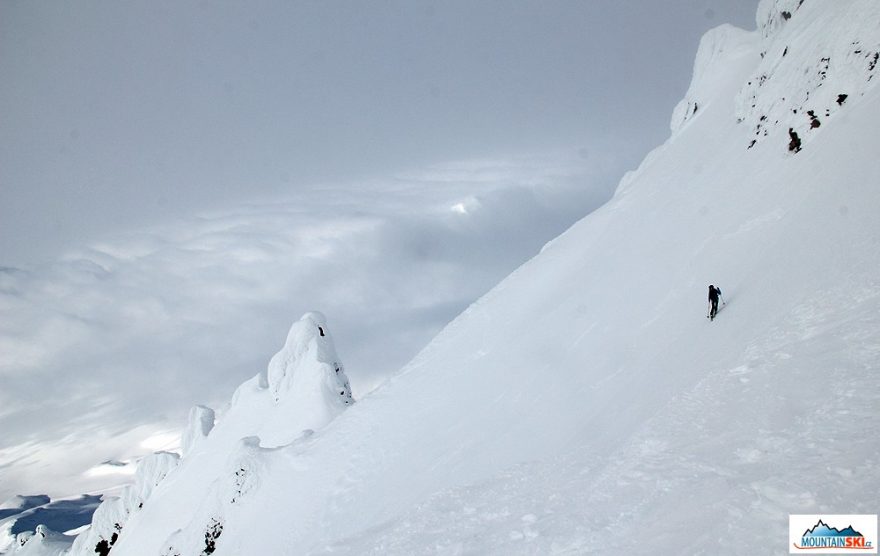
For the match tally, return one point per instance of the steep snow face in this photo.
(586, 405)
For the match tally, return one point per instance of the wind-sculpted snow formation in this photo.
(586, 405)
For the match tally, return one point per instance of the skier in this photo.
(714, 294)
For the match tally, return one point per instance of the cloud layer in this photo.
(106, 350)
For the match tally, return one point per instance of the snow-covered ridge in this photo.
(303, 389)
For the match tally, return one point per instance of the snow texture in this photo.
(586, 405)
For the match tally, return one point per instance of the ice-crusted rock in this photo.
(112, 515)
(199, 425)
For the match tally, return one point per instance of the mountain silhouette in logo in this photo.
(822, 529)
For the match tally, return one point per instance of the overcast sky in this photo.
(116, 114)
(179, 181)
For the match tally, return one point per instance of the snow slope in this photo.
(586, 405)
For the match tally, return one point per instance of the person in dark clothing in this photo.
(714, 294)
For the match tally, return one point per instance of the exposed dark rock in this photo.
(795, 144)
(212, 533)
